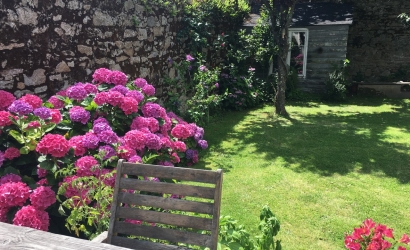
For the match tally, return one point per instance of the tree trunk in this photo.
(281, 87)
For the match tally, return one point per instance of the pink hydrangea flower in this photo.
(126, 152)
(90, 88)
(53, 144)
(122, 89)
(175, 158)
(135, 139)
(57, 103)
(138, 123)
(101, 75)
(108, 176)
(42, 197)
(11, 153)
(117, 78)
(13, 194)
(138, 96)
(34, 124)
(101, 98)
(180, 146)
(10, 178)
(6, 99)
(189, 58)
(148, 90)
(129, 105)
(3, 214)
(56, 116)
(114, 98)
(33, 100)
(86, 166)
(4, 119)
(41, 172)
(152, 124)
(30, 216)
(135, 159)
(140, 82)
(181, 131)
(76, 142)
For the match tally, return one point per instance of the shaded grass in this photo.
(322, 170)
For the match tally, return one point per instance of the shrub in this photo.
(336, 85)
(69, 145)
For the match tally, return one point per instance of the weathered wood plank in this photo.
(215, 216)
(171, 188)
(141, 244)
(165, 218)
(17, 237)
(166, 203)
(163, 234)
(176, 173)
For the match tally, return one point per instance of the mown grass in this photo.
(322, 170)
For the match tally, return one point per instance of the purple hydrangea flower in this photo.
(79, 114)
(189, 58)
(152, 141)
(90, 88)
(108, 151)
(140, 82)
(138, 96)
(203, 144)
(123, 90)
(90, 140)
(101, 127)
(216, 85)
(77, 92)
(153, 110)
(108, 136)
(203, 68)
(135, 159)
(43, 112)
(20, 108)
(101, 120)
(189, 154)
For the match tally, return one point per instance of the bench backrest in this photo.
(176, 220)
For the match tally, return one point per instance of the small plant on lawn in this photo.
(336, 85)
(370, 236)
(234, 236)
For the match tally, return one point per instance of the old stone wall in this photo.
(45, 45)
(378, 43)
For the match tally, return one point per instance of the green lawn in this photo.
(322, 171)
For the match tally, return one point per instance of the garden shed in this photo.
(318, 39)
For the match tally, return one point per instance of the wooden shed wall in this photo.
(327, 45)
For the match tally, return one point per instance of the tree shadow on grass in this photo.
(323, 143)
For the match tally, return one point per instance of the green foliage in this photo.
(336, 85)
(405, 19)
(234, 236)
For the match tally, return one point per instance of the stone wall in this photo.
(45, 45)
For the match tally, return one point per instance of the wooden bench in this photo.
(176, 220)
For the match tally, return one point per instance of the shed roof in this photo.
(310, 14)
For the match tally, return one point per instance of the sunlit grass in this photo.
(322, 171)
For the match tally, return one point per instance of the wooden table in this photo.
(16, 237)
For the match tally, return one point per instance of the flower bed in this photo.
(69, 146)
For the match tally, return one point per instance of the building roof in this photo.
(310, 14)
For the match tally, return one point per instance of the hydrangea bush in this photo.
(67, 147)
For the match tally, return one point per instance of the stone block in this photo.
(62, 67)
(37, 78)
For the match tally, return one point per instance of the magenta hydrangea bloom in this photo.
(90, 88)
(101, 98)
(126, 152)
(129, 105)
(56, 116)
(122, 89)
(57, 103)
(101, 127)
(114, 98)
(42, 112)
(135, 159)
(101, 75)
(108, 176)
(3, 214)
(33, 100)
(189, 58)
(140, 82)
(138, 96)
(152, 141)
(86, 166)
(41, 172)
(203, 68)
(4, 119)
(166, 142)
(30, 216)
(13, 194)
(42, 197)
(180, 146)
(135, 139)
(76, 142)
(21, 108)
(182, 131)
(6, 99)
(79, 114)
(107, 136)
(90, 140)
(148, 90)
(11, 153)
(153, 110)
(138, 123)
(117, 78)
(108, 151)
(53, 144)
(77, 92)
(9, 178)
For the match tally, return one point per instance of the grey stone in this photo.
(128, 5)
(85, 50)
(60, 3)
(62, 67)
(11, 72)
(57, 18)
(27, 16)
(4, 63)
(142, 34)
(153, 54)
(20, 93)
(56, 77)
(40, 89)
(129, 33)
(6, 84)
(151, 22)
(121, 58)
(41, 30)
(73, 5)
(102, 19)
(37, 78)
(144, 72)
